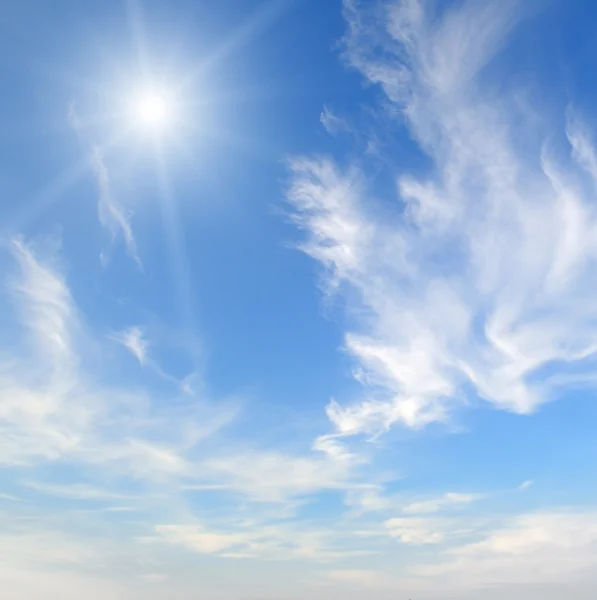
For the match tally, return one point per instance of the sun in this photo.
(152, 110)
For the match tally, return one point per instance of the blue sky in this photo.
(298, 299)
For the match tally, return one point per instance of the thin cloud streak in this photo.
(447, 501)
(332, 123)
(134, 341)
(75, 491)
(110, 213)
(46, 307)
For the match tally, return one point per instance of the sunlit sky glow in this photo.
(298, 300)
(152, 108)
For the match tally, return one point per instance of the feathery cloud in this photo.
(46, 307)
(110, 212)
(134, 340)
(476, 275)
(332, 123)
(53, 407)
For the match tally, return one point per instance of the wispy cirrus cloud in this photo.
(59, 406)
(282, 540)
(134, 340)
(75, 491)
(44, 302)
(110, 212)
(278, 477)
(332, 123)
(53, 406)
(411, 530)
(475, 277)
(9, 498)
(525, 485)
(434, 505)
(372, 498)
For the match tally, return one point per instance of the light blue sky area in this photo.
(297, 299)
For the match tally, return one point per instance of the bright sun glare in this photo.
(152, 110)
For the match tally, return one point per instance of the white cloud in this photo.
(533, 555)
(46, 548)
(42, 413)
(197, 539)
(132, 439)
(277, 477)
(9, 498)
(74, 491)
(368, 498)
(332, 123)
(110, 212)
(38, 562)
(54, 406)
(449, 500)
(417, 531)
(534, 548)
(268, 539)
(477, 274)
(45, 306)
(134, 340)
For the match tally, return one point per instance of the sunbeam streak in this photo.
(175, 240)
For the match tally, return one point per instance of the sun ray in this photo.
(137, 24)
(33, 209)
(257, 22)
(176, 243)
